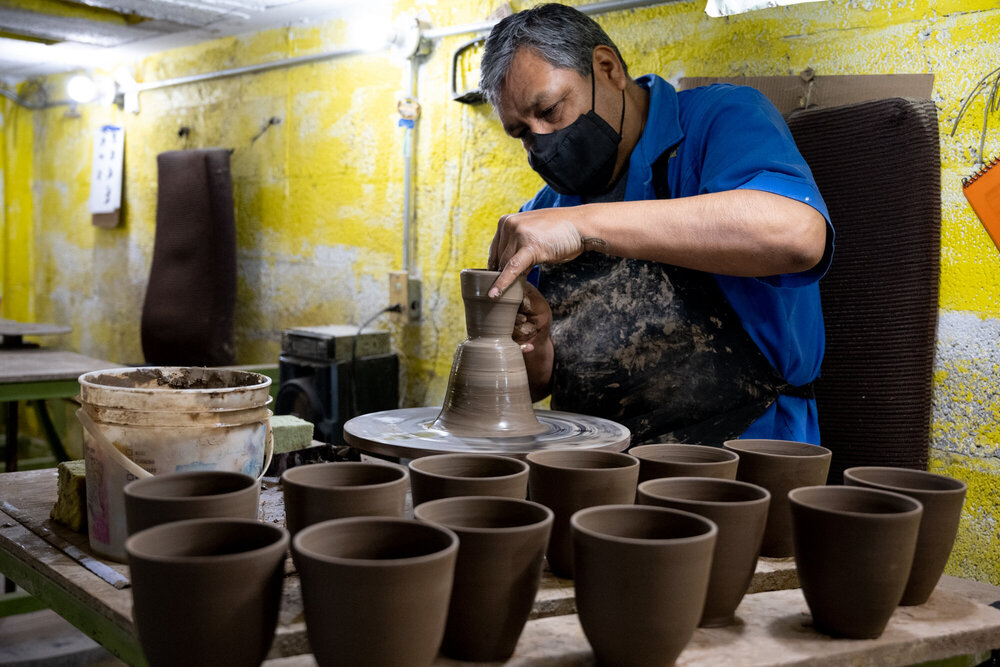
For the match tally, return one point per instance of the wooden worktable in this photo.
(52, 562)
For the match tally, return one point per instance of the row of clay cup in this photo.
(616, 548)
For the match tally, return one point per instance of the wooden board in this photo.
(15, 328)
(42, 364)
(774, 629)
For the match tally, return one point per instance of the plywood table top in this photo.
(40, 364)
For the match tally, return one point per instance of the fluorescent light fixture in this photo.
(81, 89)
(370, 30)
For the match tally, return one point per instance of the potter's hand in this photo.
(529, 238)
(534, 319)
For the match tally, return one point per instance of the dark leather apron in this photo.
(654, 347)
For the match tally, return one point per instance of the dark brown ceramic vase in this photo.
(323, 491)
(942, 498)
(198, 494)
(375, 590)
(501, 548)
(678, 460)
(488, 388)
(853, 552)
(449, 475)
(207, 591)
(567, 480)
(740, 512)
(780, 466)
(641, 578)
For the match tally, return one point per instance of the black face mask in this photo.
(580, 158)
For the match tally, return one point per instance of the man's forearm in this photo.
(741, 232)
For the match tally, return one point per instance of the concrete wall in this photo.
(319, 196)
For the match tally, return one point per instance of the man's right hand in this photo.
(534, 319)
(531, 331)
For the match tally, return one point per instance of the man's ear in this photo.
(608, 67)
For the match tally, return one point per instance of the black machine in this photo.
(330, 374)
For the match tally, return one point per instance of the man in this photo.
(680, 240)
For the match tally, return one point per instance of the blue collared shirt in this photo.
(729, 137)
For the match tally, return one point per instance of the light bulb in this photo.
(81, 89)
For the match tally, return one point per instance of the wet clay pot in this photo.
(740, 512)
(501, 548)
(189, 495)
(488, 388)
(853, 552)
(207, 591)
(375, 590)
(942, 498)
(567, 480)
(676, 460)
(323, 491)
(448, 475)
(641, 578)
(780, 466)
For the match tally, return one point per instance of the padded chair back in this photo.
(187, 317)
(878, 168)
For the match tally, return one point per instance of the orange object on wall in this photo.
(982, 189)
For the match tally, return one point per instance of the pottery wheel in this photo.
(409, 433)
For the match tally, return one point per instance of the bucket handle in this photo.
(132, 467)
(268, 447)
(107, 448)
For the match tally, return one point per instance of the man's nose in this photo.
(527, 140)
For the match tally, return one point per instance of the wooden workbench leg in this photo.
(10, 445)
(10, 461)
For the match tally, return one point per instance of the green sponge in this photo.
(290, 433)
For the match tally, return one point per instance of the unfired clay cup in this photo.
(740, 512)
(207, 591)
(678, 460)
(641, 578)
(448, 475)
(853, 552)
(780, 466)
(942, 498)
(501, 549)
(567, 480)
(323, 491)
(198, 494)
(375, 590)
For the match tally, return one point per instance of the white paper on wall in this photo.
(718, 8)
(106, 177)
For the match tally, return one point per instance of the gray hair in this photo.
(562, 36)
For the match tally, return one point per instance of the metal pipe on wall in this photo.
(409, 165)
(431, 33)
(593, 8)
(250, 69)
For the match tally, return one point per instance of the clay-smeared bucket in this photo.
(146, 421)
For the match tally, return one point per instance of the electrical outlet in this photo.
(405, 291)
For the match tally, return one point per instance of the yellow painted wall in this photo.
(319, 196)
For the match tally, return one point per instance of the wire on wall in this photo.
(990, 82)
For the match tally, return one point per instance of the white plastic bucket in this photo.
(146, 421)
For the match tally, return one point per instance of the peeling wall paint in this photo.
(319, 196)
